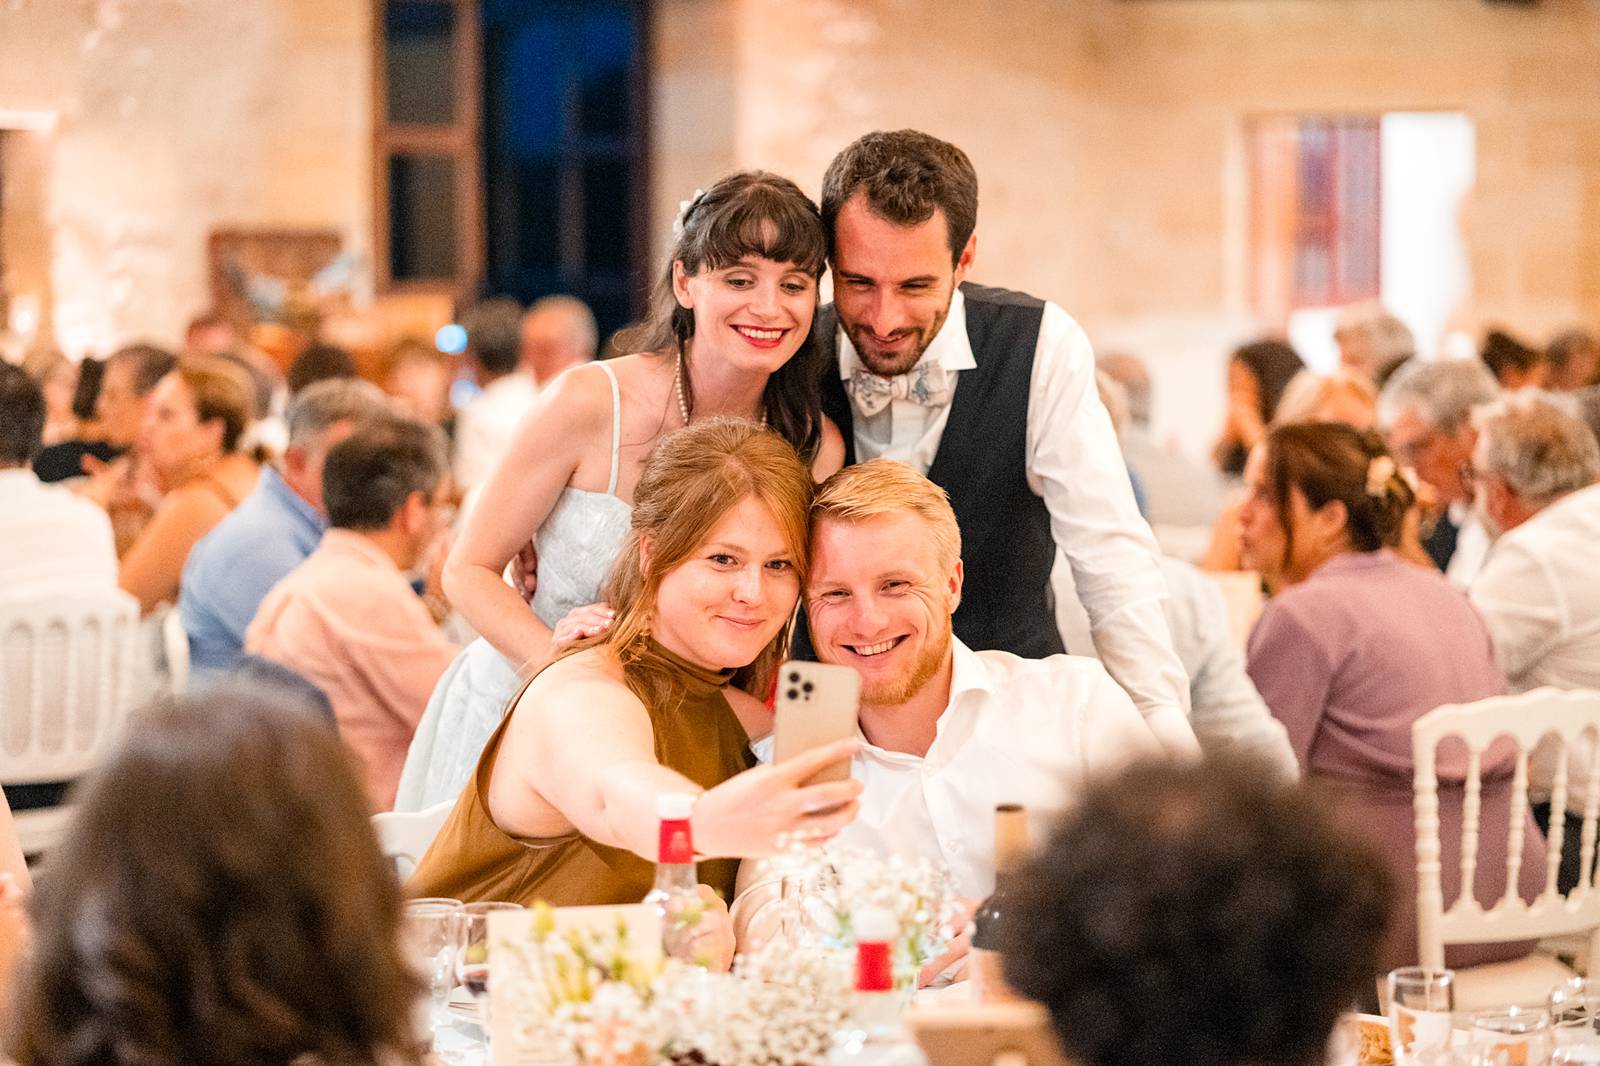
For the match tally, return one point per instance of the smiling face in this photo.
(892, 284)
(729, 599)
(879, 600)
(753, 315)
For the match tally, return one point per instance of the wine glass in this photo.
(433, 930)
(472, 966)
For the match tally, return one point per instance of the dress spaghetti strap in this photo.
(616, 426)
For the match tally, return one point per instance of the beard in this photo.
(893, 364)
(891, 691)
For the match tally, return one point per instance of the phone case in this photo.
(816, 704)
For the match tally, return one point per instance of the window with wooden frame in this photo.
(427, 181)
(1314, 211)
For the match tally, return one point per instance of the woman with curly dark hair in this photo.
(221, 900)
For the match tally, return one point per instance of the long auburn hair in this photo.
(748, 213)
(221, 900)
(694, 476)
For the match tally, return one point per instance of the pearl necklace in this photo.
(677, 388)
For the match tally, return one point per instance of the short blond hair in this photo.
(882, 488)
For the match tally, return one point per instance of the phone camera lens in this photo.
(794, 694)
(794, 676)
(807, 687)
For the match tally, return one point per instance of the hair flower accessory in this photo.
(1379, 471)
(684, 207)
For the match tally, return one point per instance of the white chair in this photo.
(404, 836)
(175, 651)
(1524, 720)
(66, 669)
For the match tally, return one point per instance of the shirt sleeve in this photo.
(1523, 605)
(1114, 733)
(1076, 465)
(1291, 673)
(1227, 712)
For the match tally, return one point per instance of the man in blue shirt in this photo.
(231, 570)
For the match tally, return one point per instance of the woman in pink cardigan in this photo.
(1359, 644)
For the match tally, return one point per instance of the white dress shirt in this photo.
(1472, 545)
(50, 538)
(484, 426)
(1228, 714)
(1028, 731)
(1539, 593)
(1075, 464)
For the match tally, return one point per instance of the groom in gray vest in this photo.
(990, 394)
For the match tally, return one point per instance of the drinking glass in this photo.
(473, 964)
(1420, 1003)
(433, 930)
(1575, 1012)
(1522, 1035)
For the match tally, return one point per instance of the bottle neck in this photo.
(675, 846)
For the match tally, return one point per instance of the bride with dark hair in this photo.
(730, 335)
(221, 900)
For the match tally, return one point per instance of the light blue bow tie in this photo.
(927, 384)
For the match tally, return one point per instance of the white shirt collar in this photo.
(955, 724)
(951, 346)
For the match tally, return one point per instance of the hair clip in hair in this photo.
(1379, 471)
(684, 207)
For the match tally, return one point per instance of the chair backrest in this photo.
(1524, 720)
(175, 651)
(404, 836)
(66, 671)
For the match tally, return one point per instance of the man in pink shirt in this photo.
(347, 619)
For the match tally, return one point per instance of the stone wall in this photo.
(177, 117)
(1109, 140)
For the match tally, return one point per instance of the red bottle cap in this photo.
(875, 930)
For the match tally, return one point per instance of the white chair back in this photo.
(66, 667)
(405, 836)
(1524, 720)
(175, 651)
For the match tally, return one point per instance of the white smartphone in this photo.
(816, 705)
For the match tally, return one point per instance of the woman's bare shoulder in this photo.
(590, 675)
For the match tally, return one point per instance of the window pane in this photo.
(605, 213)
(419, 39)
(603, 101)
(422, 217)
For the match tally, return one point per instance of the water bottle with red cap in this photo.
(874, 1033)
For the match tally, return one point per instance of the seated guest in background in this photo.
(1535, 470)
(557, 333)
(58, 379)
(1202, 915)
(319, 362)
(232, 568)
(1357, 645)
(485, 423)
(947, 732)
(347, 619)
(1372, 341)
(220, 898)
(1425, 413)
(1345, 397)
(1178, 490)
(1514, 365)
(418, 376)
(126, 381)
(191, 441)
(562, 806)
(1257, 375)
(1573, 358)
(1225, 710)
(51, 537)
